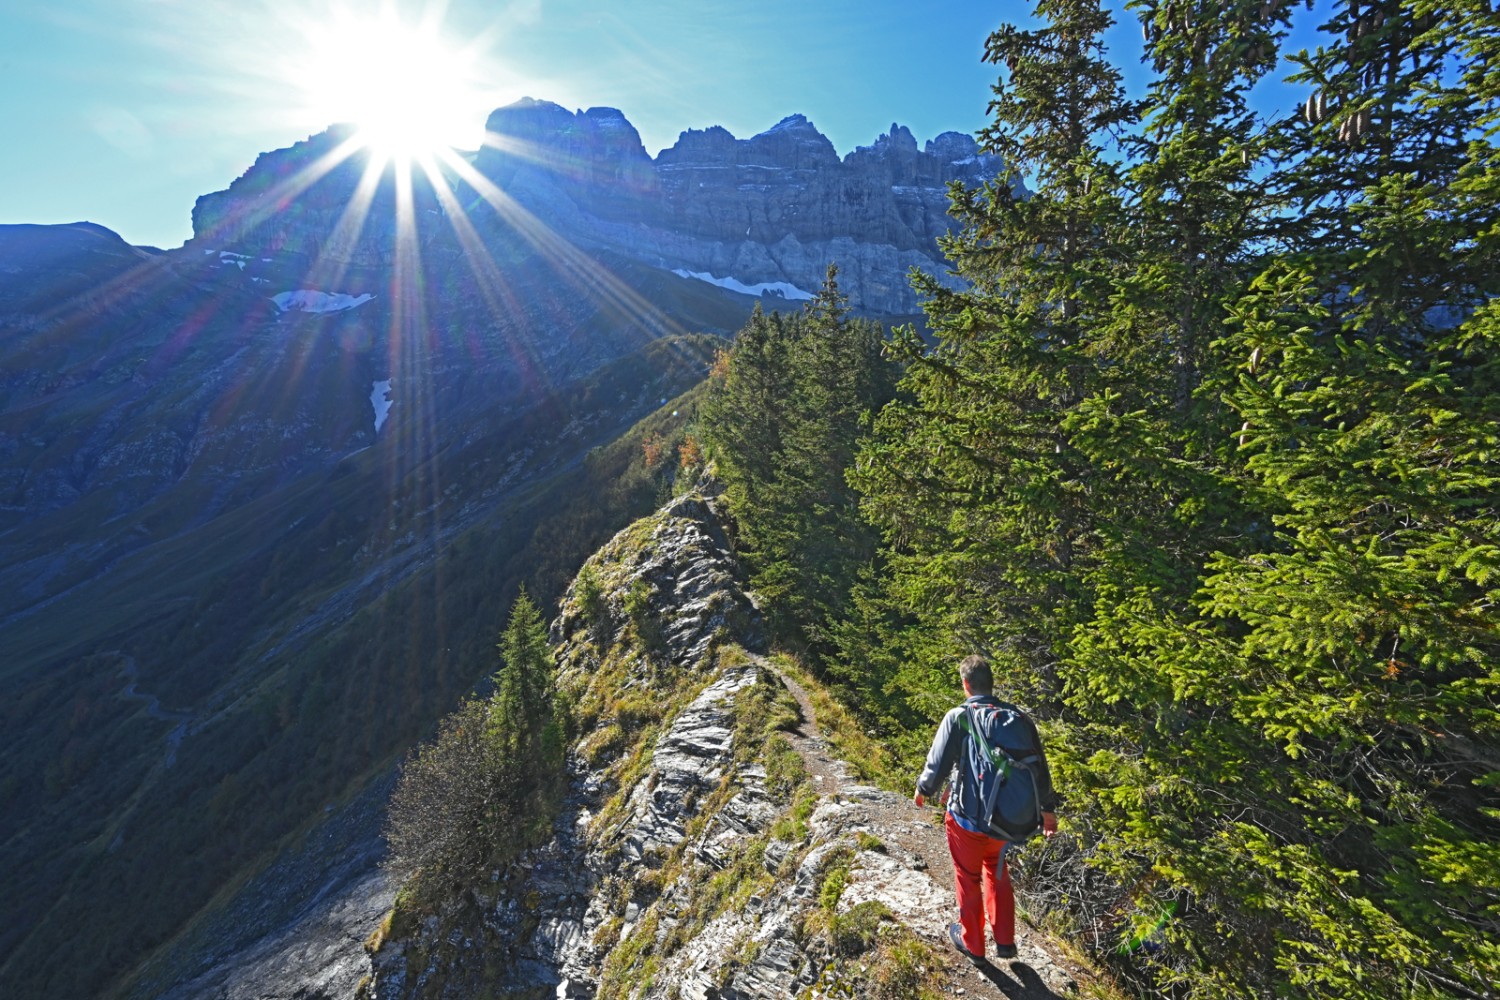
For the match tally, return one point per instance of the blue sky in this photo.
(122, 112)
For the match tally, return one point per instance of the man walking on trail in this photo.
(979, 868)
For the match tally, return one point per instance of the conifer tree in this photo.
(1357, 646)
(527, 658)
(745, 413)
(523, 685)
(1204, 455)
(474, 796)
(972, 475)
(786, 411)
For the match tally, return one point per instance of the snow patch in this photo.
(312, 301)
(781, 288)
(380, 399)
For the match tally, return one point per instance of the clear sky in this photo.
(122, 112)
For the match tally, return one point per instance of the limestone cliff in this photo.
(709, 846)
(767, 213)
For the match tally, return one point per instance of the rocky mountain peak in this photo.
(793, 143)
(767, 212)
(528, 115)
(952, 147)
(549, 134)
(897, 142)
(699, 146)
(791, 122)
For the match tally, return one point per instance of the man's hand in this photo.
(1049, 824)
(919, 799)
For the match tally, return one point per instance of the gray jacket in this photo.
(947, 753)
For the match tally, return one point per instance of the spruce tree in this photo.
(523, 718)
(1358, 644)
(1204, 456)
(786, 410)
(982, 495)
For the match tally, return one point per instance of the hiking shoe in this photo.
(956, 935)
(1005, 950)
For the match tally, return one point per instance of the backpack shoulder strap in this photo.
(1000, 759)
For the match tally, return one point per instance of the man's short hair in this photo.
(975, 670)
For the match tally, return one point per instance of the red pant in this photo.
(976, 859)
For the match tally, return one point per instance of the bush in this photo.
(453, 810)
(479, 794)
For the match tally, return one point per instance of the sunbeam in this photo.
(498, 294)
(576, 267)
(252, 212)
(329, 269)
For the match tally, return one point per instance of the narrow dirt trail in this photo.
(1039, 972)
(132, 674)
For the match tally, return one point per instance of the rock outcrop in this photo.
(771, 211)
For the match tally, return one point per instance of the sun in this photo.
(407, 91)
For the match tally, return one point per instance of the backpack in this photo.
(1009, 802)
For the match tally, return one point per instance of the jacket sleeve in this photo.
(1046, 795)
(946, 744)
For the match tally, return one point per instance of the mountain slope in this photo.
(263, 496)
(710, 844)
(223, 588)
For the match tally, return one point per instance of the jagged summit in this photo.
(898, 141)
(770, 211)
(792, 123)
(952, 146)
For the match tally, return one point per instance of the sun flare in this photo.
(407, 91)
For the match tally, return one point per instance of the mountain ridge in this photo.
(709, 843)
(772, 208)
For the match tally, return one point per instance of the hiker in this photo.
(978, 855)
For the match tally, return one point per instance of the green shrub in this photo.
(855, 932)
(642, 616)
(785, 771)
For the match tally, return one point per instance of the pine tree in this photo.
(481, 790)
(745, 413)
(1204, 455)
(1324, 706)
(527, 659)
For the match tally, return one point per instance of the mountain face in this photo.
(235, 585)
(769, 212)
(264, 498)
